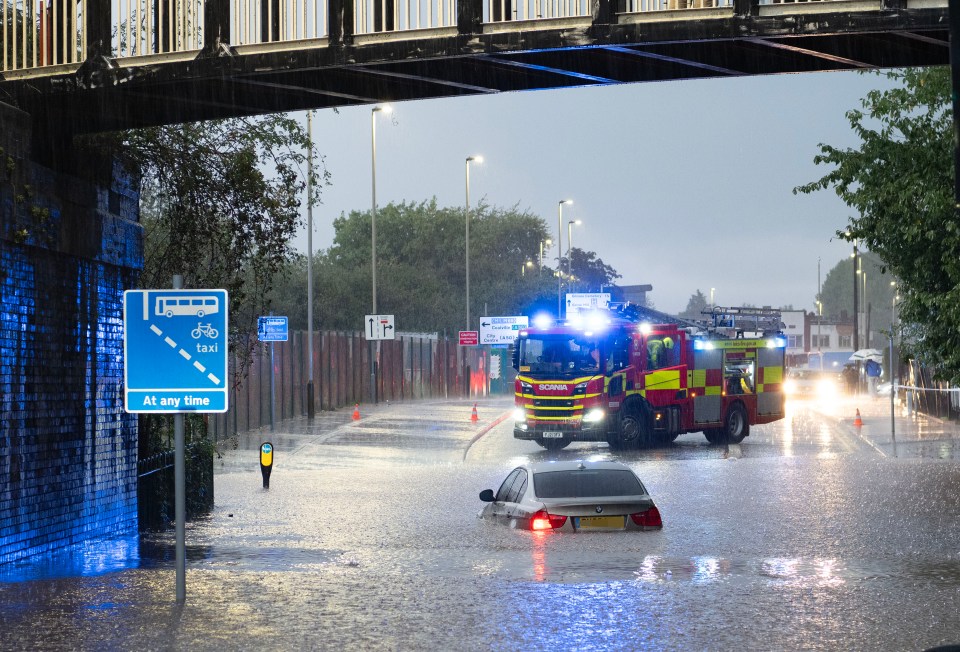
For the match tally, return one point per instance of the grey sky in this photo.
(684, 185)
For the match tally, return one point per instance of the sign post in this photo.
(175, 361)
(272, 329)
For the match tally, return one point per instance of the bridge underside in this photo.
(319, 75)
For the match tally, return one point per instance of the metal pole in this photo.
(856, 309)
(560, 255)
(311, 411)
(272, 384)
(180, 491)
(819, 315)
(467, 236)
(373, 204)
(893, 390)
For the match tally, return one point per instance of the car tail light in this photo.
(649, 518)
(545, 521)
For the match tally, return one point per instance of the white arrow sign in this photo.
(378, 327)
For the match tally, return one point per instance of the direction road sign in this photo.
(272, 329)
(378, 327)
(586, 301)
(469, 338)
(175, 350)
(501, 330)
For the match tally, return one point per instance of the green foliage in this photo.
(220, 202)
(836, 292)
(900, 181)
(421, 269)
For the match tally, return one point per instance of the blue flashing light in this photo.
(542, 320)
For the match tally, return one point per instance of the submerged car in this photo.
(574, 496)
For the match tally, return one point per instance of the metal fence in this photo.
(409, 368)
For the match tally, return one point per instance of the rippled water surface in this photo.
(764, 553)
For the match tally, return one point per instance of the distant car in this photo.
(812, 383)
(574, 496)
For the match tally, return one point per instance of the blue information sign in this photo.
(175, 350)
(272, 329)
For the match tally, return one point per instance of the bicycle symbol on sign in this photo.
(204, 329)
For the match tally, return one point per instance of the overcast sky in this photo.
(683, 185)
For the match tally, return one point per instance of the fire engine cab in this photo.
(619, 377)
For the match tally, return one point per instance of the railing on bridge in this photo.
(44, 33)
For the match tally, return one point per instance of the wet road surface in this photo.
(802, 537)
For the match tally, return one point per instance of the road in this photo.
(808, 535)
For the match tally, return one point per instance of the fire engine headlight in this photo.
(580, 388)
(593, 416)
(526, 387)
(519, 415)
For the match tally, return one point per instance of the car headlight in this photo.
(593, 416)
(790, 386)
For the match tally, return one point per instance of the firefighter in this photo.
(658, 352)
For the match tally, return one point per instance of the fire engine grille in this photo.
(552, 414)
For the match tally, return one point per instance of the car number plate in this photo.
(605, 522)
(553, 435)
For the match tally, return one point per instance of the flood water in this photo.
(852, 552)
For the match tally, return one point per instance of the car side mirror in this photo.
(487, 496)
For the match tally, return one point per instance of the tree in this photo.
(836, 294)
(220, 202)
(590, 273)
(421, 269)
(900, 181)
(695, 305)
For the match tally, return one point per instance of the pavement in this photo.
(445, 427)
(895, 431)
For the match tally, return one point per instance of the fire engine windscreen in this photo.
(565, 355)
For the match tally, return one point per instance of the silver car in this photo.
(572, 496)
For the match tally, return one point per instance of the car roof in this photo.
(573, 465)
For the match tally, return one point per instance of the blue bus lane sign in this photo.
(175, 350)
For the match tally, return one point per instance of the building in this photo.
(818, 342)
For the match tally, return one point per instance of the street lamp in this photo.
(310, 406)
(548, 242)
(385, 109)
(470, 159)
(559, 253)
(524, 266)
(570, 243)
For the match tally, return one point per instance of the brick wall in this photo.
(69, 247)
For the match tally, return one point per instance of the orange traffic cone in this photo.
(473, 415)
(857, 422)
(356, 411)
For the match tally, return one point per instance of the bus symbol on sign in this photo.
(197, 306)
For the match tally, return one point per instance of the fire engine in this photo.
(637, 377)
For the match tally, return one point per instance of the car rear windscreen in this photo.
(586, 483)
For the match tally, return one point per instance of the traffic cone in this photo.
(356, 411)
(857, 422)
(473, 415)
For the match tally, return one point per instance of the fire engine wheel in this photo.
(554, 444)
(633, 430)
(736, 426)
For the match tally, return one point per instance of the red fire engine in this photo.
(619, 377)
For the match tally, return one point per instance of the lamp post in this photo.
(385, 109)
(469, 160)
(310, 406)
(711, 297)
(559, 254)
(548, 242)
(570, 244)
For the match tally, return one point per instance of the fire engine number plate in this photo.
(553, 435)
